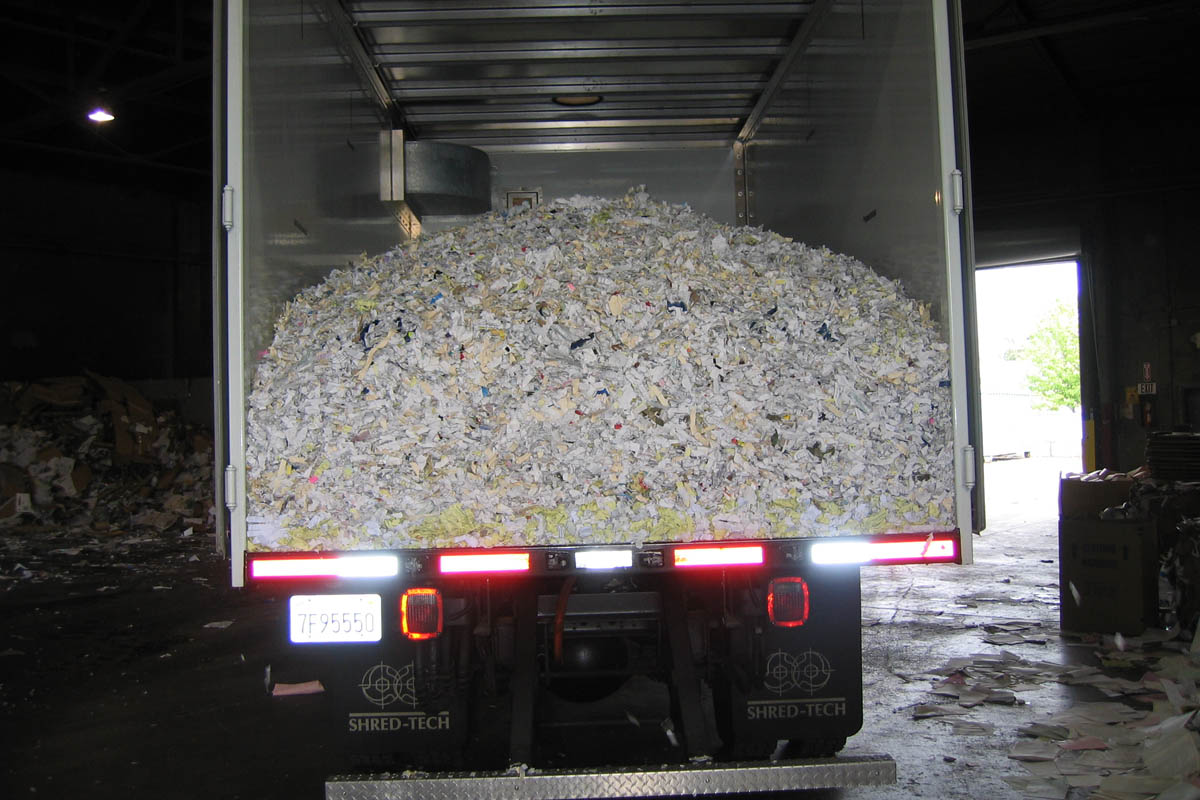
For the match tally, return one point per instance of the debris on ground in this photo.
(92, 477)
(1143, 742)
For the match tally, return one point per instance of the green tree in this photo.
(1053, 350)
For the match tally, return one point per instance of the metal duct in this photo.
(441, 178)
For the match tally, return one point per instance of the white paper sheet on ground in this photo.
(1033, 750)
(927, 710)
(1115, 758)
(1102, 712)
(1138, 784)
(1043, 769)
(1038, 787)
(1184, 790)
(1173, 754)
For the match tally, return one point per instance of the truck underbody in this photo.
(585, 658)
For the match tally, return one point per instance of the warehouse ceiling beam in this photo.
(800, 42)
(345, 32)
(1132, 13)
(1048, 55)
(115, 44)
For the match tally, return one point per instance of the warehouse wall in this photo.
(103, 276)
(1126, 182)
(1146, 255)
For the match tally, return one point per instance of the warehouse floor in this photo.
(146, 677)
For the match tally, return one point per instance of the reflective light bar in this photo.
(484, 562)
(344, 566)
(603, 559)
(718, 556)
(883, 551)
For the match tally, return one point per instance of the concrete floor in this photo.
(916, 618)
(113, 684)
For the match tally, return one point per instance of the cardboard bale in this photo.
(1086, 499)
(135, 426)
(1108, 575)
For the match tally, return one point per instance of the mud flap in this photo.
(389, 701)
(803, 683)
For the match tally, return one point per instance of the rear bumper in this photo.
(666, 781)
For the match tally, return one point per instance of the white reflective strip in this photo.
(867, 552)
(377, 566)
(603, 559)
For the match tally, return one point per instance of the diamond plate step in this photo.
(665, 781)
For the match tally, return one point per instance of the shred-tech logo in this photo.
(382, 685)
(807, 672)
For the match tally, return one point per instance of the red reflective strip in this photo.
(345, 566)
(919, 550)
(484, 562)
(292, 568)
(718, 556)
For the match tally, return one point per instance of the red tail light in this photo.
(718, 556)
(484, 562)
(787, 602)
(421, 613)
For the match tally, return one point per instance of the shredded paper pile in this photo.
(597, 371)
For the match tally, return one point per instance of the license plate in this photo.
(319, 618)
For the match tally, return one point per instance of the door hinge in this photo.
(231, 487)
(956, 188)
(227, 207)
(969, 466)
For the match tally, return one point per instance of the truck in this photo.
(687, 660)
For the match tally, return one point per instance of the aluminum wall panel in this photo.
(848, 154)
(311, 186)
(858, 152)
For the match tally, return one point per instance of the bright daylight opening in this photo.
(1028, 323)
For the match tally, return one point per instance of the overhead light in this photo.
(578, 99)
(100, 114)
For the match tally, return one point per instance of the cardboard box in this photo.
(1086, 499)
(1108, 576)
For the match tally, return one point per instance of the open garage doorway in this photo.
(1028, 328)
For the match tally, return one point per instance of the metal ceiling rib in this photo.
(487, 72)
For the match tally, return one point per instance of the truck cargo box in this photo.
(336, 136)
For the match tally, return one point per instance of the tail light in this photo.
(734, 555)
(421, 613)
(466, 563)
(787, 602)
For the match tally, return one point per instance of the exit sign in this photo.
(1147, 388)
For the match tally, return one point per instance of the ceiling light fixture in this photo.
(100, 114)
